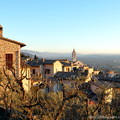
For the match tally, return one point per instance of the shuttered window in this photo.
(9, 60)
(33, 71)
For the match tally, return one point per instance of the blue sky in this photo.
(89, 26)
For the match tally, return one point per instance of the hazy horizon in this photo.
(71, 52)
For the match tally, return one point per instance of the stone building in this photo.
(10, 55)
(46, 68)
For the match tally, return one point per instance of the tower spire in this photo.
(73, 55)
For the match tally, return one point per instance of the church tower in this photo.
(73, 55)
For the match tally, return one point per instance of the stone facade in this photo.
(10, 53)
(10, 59)
(53, 69)
(7, 47)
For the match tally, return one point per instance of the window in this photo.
(9, 61)
(47, 71)
(33, 71)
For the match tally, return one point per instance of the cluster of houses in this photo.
(34, 69)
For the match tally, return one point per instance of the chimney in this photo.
(1, 31)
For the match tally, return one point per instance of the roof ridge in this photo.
(10, 40)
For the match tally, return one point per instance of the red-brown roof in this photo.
(13, 41)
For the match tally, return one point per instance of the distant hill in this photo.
(47, 55)
(98, 61)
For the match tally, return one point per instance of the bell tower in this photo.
(73, 55)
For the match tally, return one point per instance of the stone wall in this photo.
(7, 47)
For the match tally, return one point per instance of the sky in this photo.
(89, 26)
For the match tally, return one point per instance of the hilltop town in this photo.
(21, 75)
